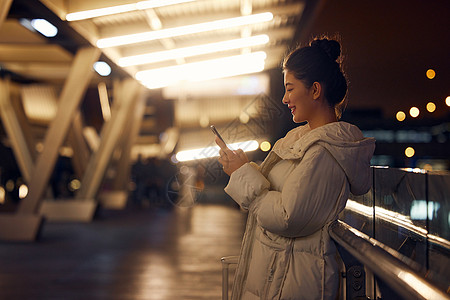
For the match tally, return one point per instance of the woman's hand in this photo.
(230, 160)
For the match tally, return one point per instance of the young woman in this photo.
(302, 185)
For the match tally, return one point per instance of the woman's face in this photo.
(297, 97)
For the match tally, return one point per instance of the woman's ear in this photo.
(316, 90)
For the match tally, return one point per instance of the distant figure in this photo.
(302, 185)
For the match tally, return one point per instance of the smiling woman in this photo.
(302, 185)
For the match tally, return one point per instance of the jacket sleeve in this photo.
(246, 183)
(313, 194)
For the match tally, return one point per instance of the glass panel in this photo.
(359, 212)
(399, 223)
(439, 228)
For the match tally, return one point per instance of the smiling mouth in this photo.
(292, 109)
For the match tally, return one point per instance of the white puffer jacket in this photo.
(300, 188)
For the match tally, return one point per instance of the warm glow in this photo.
(431, 74)
(2, 195)
(10, 185)
(23, 191)
(74, 185)
(428, 167)
(265, 146)
(414, 112)
(447, 101)
(244, 118)
(173, 54)
(204, 70)
(409, 152)
(183, 30)
(213, 151)
(401, 116)
(88, 14)
(431, 107)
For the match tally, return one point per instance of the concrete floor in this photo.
(150, 253)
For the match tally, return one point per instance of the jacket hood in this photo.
(344, 141)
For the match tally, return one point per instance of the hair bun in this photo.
(331, 47)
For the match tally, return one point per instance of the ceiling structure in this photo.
(166, 45)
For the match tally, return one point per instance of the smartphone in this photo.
(214, 130)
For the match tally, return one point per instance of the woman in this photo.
(302, 185)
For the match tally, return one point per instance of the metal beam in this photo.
(14, 131)
(126, 93)
(70, 98)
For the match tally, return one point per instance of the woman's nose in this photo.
(285, 99)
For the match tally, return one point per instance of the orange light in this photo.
(431, 107)
(414, 112)
(431, 74)
(447, 101)
(409, 152)
(401, 116)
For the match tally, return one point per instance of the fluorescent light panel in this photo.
(183, 30)
(204, 70)
(99, 12)
(44, 27)
(193, 51)
(213, 151)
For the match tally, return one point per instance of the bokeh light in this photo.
(23, 191)
(447, 101)
(2, 195)
(401, 116)
(431, 107)
(265, 146)
(414, 112)
(409, 152)
(431, 74)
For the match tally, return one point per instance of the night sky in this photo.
(388, 47)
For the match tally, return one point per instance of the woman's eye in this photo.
(288, 90)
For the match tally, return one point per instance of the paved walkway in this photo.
(152, 254)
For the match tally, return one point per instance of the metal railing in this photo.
(389, 265)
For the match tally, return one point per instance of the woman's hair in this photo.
(319, 62)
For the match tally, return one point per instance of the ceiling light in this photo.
(158, 3)
(183, 30)
(193, 51)
(204, 70)
(44, 27)
(102, 68)
(88, 14)
(106, 11)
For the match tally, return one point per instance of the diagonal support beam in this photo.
(14, 131)
(124, 166)
(4, 9)
(80, 148)
(74, 88)
(126, 95)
